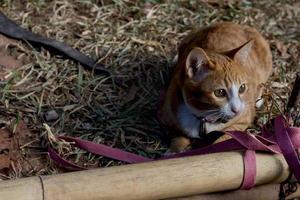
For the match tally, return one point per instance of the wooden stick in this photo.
(294, 100)
(25, 189)
(153, 180)
(293, 106)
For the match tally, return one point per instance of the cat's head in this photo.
(217, 86)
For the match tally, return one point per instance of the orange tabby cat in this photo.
(218, 79)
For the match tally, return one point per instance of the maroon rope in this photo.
(249, 170)
(287, 148)
(285, 140)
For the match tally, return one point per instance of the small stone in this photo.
(87, 126)
(150, 48)
(51, 115)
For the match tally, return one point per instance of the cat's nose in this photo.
(235, 110)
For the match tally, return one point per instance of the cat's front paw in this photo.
(222, 138)
(169, 152)
(180, 144)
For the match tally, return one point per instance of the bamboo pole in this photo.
(153, 180)
(25, 189)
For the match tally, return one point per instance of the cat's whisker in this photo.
(210, 112)
(216, 115)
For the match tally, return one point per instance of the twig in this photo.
(294, 100)
(293, 108)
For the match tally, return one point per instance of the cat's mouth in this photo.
(222, 120)
(213, 119)
(219, 120)
(216, 120)
(209, 116)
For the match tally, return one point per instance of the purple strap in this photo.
(287, 148)
(285, 141)
(103, 150)
(249, 170)
(62, 162)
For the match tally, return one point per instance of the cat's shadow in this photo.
(144, 89)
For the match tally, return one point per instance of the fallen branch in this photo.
(11, 29)
(293, 106)
(294, 100)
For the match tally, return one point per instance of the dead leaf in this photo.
(219, 3)
(279, 85)
(5, 41)
(131, 94)
(20, 158)
(8, 61)
(5, 144)
(4, 161)
(33, 160)
(282, 49)
(5, 140)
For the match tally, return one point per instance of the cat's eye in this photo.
(242, 88)
(220, 93)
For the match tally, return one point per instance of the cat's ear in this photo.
(197, 64)
(241, 54)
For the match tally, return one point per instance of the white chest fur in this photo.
(190, 124)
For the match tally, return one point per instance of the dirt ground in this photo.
(50, 95)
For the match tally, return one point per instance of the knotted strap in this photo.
(287, 148)
(98, 149)
(284, 140)
(249, 170)
(63, 162)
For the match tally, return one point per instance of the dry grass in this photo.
(138, 40)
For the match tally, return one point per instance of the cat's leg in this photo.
(241, 126)
(179, 144)
(222, 138)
